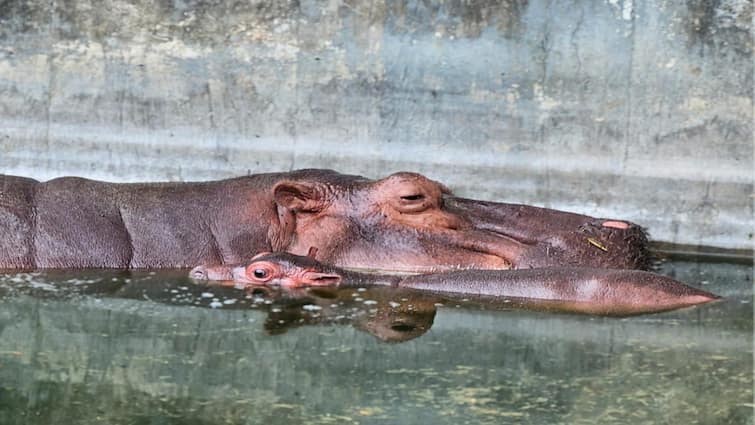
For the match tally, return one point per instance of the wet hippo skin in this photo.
(404, 222)
(568, 289)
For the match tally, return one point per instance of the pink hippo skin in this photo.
(569, 289)
(404, 222)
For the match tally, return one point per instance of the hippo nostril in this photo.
(199, 273)
(615, 224)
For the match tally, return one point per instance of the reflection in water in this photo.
(391, 315)
(119, 347)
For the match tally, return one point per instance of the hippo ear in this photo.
(299, 196)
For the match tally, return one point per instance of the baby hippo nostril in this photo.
(199, 273)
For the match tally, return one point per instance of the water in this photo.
(130, 348)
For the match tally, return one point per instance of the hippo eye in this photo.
(261, 271)
(413, 202)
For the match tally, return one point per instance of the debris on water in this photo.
(361, 289)
(311, 307)
(718, 357)
(216, 304)
(82, 281)
(43, 286)
(358, 299)
(16, 279)
(275, 310)
(370, 411)
(394, 304)
(207, 295)
(370, 302)
(229, 301)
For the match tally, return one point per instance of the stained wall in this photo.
(640, 109)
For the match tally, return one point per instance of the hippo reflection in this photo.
(569, 289)
(388, 314)
(404, 222)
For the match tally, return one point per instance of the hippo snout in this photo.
(199, 273)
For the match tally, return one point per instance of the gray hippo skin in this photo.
(404, 222)
(566, 289)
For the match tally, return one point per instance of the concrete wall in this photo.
(640, 109)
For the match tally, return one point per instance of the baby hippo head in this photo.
(273, 269)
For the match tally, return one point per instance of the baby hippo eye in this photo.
(261, 271)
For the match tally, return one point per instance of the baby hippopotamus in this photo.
(568, 289)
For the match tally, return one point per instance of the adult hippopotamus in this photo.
(571, 289)
(404, 222)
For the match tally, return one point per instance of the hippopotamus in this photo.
(404, 222)
(611, 292)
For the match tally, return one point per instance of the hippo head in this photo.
(404, 222)
(409, 223)
(272, 269)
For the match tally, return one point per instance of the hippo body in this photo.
(570, 289)
(80, 223)
(404, 222)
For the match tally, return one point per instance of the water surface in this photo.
(137, 347)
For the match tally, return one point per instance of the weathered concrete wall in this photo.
(633, 108)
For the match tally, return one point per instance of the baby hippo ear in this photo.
(320, 279)
(299, 196)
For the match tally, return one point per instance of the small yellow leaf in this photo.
(596, 243)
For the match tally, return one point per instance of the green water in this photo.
(141, 348)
